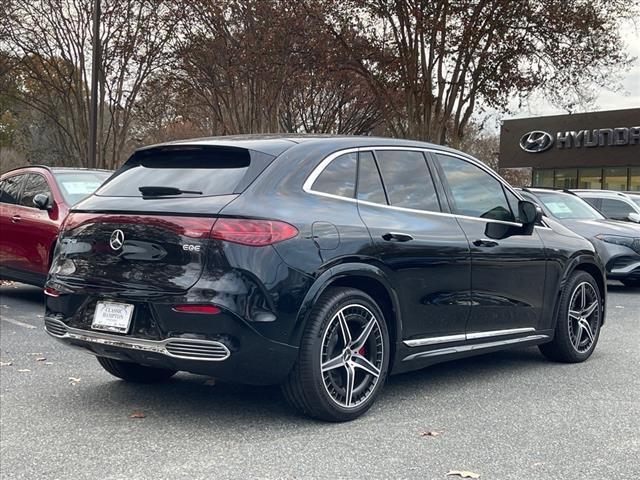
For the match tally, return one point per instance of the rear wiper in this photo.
(161, 191)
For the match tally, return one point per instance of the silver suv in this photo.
(612, 204)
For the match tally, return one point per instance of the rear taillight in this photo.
(204, 309)
(51, 292)
(254, 233)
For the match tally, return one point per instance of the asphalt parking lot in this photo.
(511, 415)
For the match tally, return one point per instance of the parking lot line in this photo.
(17, 322)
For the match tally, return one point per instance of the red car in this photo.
(33, 203)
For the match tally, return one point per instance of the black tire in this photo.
(133, 372)
(631, 282)
(571, 342)
(319, 394)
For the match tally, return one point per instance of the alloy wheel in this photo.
(352, 355)
(584, 316)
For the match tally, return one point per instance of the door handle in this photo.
(16, 219)
(483, 242)
(397, 237)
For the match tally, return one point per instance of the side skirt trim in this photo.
(476, 347)
(421, 342)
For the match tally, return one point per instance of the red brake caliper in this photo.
(361, 351)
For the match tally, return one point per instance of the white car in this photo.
(612, 204)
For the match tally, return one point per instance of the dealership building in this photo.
(598, 150)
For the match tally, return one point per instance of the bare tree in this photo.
(434, 61)
(52, 41)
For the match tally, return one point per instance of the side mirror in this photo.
(42, 202)
(634, 217)
(529, 213)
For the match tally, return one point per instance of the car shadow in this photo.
(20, 291)
(622, 289)
(190, 400)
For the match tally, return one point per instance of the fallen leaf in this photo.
(138, 415)
(6, 364)
(74, 380)
(48, 363)
(464, 474)
(432, 433)
(35, 354)
(24, 370)
(40, 359)
(210, 381)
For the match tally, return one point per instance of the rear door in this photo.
(616, 209)
(508, 274)
(124, 239)
(424, 251)
(12, 253)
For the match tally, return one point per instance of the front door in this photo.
(508, 274)
(39, 226)
(11, 228)
(424, 252)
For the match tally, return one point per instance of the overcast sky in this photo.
(629, 97)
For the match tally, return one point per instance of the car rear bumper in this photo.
(253, 360)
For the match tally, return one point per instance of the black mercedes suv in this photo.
(320, 263)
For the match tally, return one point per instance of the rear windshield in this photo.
(77, 185)
(194, 173)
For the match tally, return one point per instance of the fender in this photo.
(582, 258)
(334, 273)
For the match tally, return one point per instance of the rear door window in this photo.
(11, 189)
(205, 172)
(616, 209)
(474, 192)
(339, 177)
(370, 187)
(34, 185)
(407, 179)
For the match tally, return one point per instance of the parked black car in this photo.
(321, 263)
(617, 242)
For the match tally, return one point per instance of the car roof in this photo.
(56, 169)
(276, 144)
(602, 193)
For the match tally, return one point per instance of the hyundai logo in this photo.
(536, 141)
(117, 239)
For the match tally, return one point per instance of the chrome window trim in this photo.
(421, 342)
(306, 187)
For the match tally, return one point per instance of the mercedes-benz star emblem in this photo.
(117, 239)
(536, 141)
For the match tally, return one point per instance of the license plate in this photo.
(112, 317)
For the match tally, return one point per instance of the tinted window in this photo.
(616, 209)
(407, 180)
(207, 172)
(34, 185)
(594, 202)
(77, 185)
(564, 205)
(369, 182)
(475, 193)
(11, 189)
(339, 177)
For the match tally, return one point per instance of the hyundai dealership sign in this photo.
(595, 139)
